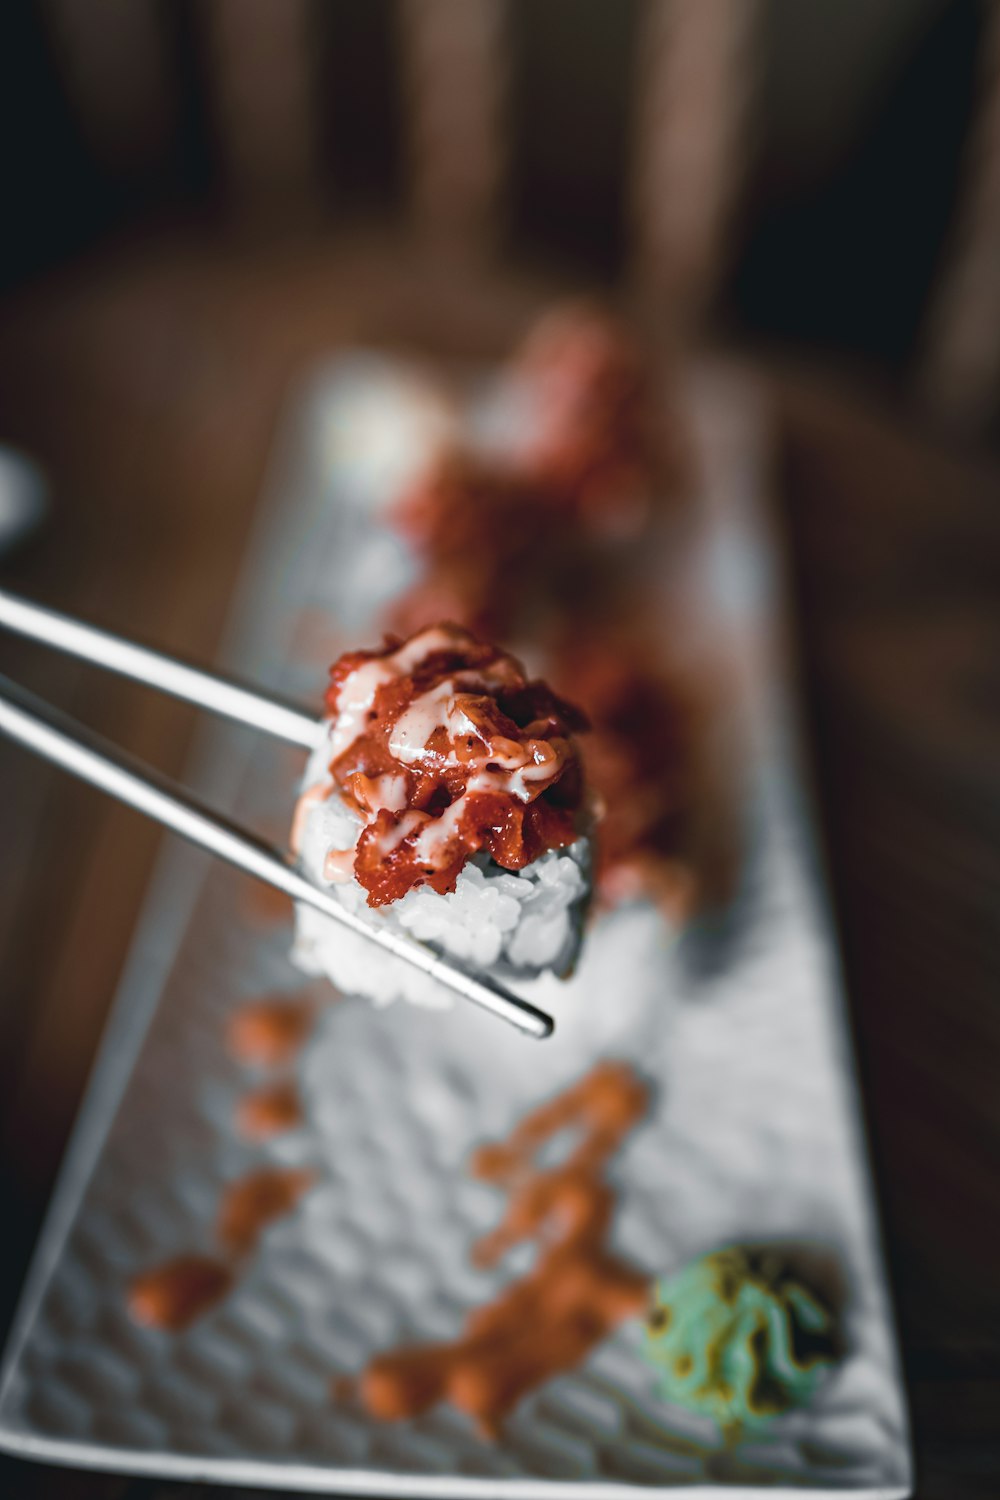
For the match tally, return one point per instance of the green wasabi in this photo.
(737, 1337)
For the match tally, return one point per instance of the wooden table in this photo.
(149, 381)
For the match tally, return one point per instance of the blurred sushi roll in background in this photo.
(550, 493)
(547, 524)
(378, 422)
(448, 801)
(590, 436)
(486, 544)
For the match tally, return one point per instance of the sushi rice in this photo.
(502, 922)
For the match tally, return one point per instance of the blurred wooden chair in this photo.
(515, 126)
(269, 66)
(958, 372)
(115, 70)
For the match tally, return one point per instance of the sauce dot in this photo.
(171, 1296)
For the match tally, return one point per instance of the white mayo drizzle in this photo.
(514, 767)
(357, 691)
(413, 653)
(378, 792)
(318, 792)
(354, 700)
(432, 843)
(338, 866)
(412, 731)
(388, 840)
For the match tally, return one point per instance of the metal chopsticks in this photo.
(220, 695)
(58, 738)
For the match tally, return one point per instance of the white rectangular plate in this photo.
(754, 1129)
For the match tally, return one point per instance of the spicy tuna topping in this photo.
(442, 747)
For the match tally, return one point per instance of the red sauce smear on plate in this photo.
(253, 1202)
(174, 1294)
(269, 1032)
(443, 747)
(578, 1291)
(171, 1296)
(269, 1111)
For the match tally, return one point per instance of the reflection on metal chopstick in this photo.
(220, 695)
(58, 738)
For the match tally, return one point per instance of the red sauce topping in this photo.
(172, 1295)
(269, 1111)
(268, 1032)
(548, 1321)
(254, 1201)
(444, 748)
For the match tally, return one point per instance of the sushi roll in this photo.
(591, 434)
(550, 497)
(446, 800)
(486, 542)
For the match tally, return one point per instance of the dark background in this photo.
(155, 302)
(858, 114)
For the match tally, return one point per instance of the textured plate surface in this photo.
(753, 1131)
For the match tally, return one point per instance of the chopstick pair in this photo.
(38, 726)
